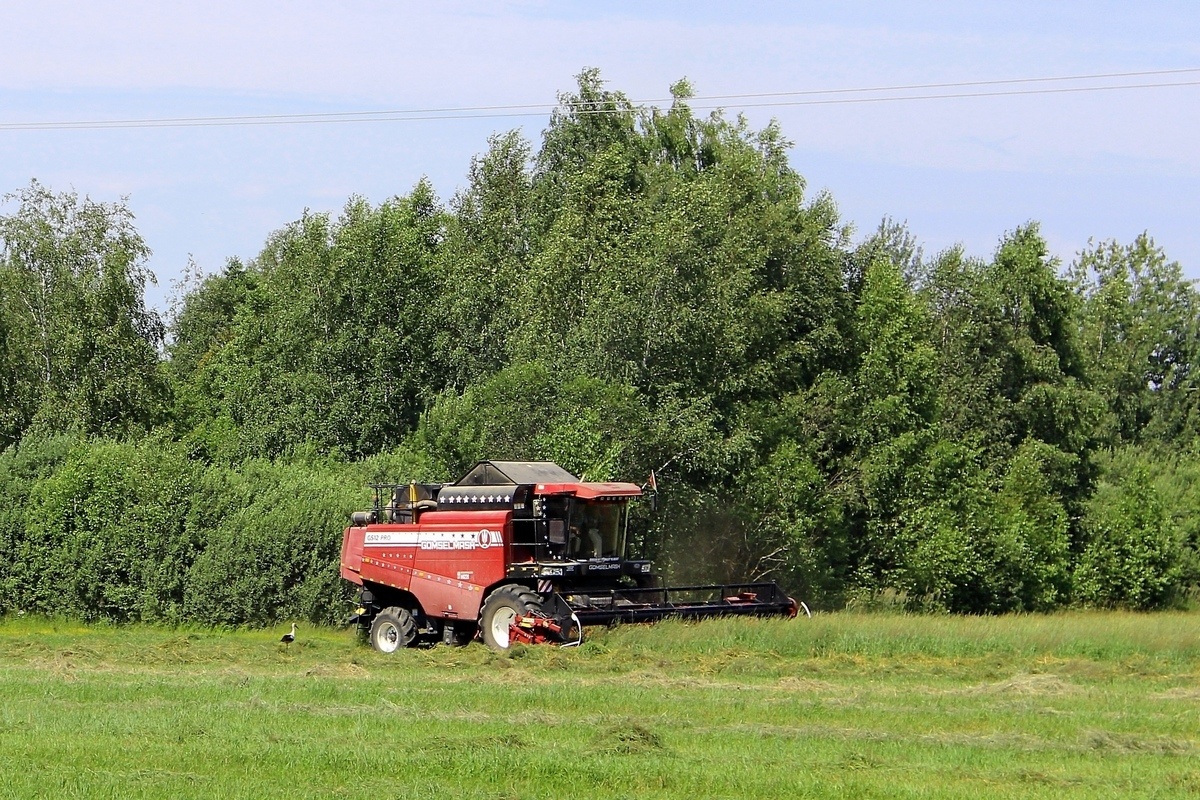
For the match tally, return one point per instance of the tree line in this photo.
(644, 289)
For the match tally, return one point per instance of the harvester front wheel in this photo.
(393, 628)
(501, 609)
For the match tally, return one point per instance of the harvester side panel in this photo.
(447, 559)
(461, 554)
(387, 558)
(352, 550)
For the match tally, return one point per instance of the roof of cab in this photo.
(501, 473)
(546, 476)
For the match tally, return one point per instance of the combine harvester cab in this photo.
(515, 551)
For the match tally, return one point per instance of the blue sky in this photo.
(1101, 165)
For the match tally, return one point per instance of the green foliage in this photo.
(678, 256)
(78, 349)
(103, 534)
(895, 390)
(126, 531)
(324, 339)
(1139, 330)
(1011, 369)
(490, 240)
(203, 324)
(786, 519)
(926, 503)
(271, 534)
(525, 412)
(21, 467)
(1133, 557)
(1176, 481)
(1031, 558)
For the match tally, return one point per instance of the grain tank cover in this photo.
(515, 473)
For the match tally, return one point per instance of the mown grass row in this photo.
(1072, 705)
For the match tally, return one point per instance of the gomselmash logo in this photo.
(459, 540)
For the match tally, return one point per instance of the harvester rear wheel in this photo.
(393, 628)
(501, 608)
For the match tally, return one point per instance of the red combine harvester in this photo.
(515, 551)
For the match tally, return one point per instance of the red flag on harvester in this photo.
(653, 483)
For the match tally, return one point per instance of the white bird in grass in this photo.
(288, 638)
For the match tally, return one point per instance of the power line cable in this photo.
(817, 97)
(964, 84)
(1014, 93)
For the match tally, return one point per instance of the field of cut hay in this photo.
(1083, 705)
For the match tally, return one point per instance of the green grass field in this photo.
(845, 705)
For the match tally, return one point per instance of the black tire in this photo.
(393, 628)
(499, 610)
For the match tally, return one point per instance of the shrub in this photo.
(21, 466)
(1133, 556)
(102, 533)
(270, 536)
